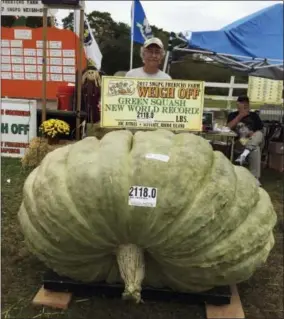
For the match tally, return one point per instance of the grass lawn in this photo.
(262, 295)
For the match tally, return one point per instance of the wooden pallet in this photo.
(232, 311)
(216, 296)
(52, 299)
(61, 300)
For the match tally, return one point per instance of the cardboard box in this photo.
(221, 147)
(276, 147)
(276, 156)
(276, 161)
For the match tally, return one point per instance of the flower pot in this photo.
(52, 140)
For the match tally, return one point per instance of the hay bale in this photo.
(35, 153)
(94, 129)
(37, 150)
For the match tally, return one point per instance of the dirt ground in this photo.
(262, 295)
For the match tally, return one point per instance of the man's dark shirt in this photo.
(251, 122)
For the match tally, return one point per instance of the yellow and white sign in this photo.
(263, 90)
(152, 104)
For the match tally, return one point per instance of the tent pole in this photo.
(178, 48)
(44, 63)
(231, 89)
(280, 66)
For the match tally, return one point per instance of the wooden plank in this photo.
(52, 299)
(220, 97)
(232, 311)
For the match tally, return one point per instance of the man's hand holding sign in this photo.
(147, 98)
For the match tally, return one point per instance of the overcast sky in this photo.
(180, 16)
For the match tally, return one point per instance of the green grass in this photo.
(262, 295)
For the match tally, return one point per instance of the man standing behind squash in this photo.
(152, 54)
(249, 128)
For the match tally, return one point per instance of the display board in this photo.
(149, 103)
(18, 126)
(263, 90)
(22, 57)
(24, 8)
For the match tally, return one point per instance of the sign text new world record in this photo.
(147, 103)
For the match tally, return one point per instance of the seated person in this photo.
(248, 126)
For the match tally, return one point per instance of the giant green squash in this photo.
(202, 222)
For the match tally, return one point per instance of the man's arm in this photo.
(233, 120)
(258, 125)
(258, 122)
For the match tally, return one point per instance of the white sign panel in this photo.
(23, 34)
(262, 90)
(18, 126)
(23, 8)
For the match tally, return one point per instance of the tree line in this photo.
(113, 39)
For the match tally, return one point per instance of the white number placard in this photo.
(142, 196)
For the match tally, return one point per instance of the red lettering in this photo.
(14, 144)
(17, 113)
(10, 150)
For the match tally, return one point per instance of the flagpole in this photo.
(166, 61)
(132, 34)
(168, 58)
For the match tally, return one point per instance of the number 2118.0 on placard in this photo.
(142, 196)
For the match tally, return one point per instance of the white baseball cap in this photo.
(155, 41)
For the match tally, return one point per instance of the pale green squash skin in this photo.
(212, 225)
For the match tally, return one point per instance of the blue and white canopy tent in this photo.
(253, 44)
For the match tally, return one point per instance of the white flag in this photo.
(91, 47)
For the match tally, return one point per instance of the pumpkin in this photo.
(151, 208)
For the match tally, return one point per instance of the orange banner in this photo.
(21, 61)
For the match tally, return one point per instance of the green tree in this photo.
(7, 21)
(186, 67)
(101, 23)
(68, 22)
(113, 39)
(103, 26)
(31, 22)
